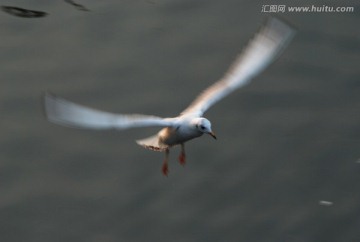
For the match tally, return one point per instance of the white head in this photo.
(204, 126)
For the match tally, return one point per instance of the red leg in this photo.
(165, 168)
(182, 157)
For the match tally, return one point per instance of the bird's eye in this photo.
(202, 127)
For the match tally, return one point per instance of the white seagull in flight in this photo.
(266, 45)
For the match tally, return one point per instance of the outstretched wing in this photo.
(66, 113)
(267, 44)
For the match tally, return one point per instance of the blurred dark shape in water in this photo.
(24, 13)
(78, 6)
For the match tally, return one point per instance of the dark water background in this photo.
(286, 142)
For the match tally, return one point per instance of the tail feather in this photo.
(152, 143)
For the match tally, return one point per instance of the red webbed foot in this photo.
(165, 169)
(182, 158)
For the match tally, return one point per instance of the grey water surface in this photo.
(285, 167)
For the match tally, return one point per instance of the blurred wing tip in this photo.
(279, 28)
(47, 100)
(48, 94)
(280, 21)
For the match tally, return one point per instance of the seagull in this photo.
(264, 47)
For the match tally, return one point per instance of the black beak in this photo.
(212, 134)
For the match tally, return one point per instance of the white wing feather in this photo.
(66, 113)
(260, 52)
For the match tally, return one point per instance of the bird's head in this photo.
(204, 126)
